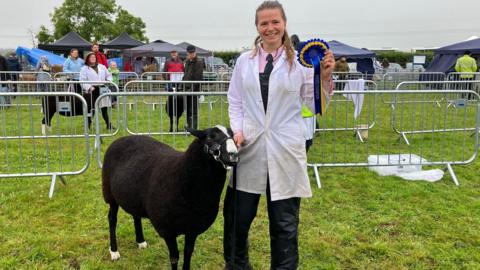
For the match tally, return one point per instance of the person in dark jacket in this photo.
(3, 67)
(193, 72)
(13, 66)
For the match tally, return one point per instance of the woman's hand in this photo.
(238, 139)
(327, 65)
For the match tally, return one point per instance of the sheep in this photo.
(174, 108)
(178, 191)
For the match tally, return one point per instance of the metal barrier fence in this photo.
(16, 76)
(451, 144)
(144, 120)
(348, 75)
(165, 76)
(25, 152)
(51, 107)
(362, 121)
(460, 76)
(453, 101)
(124, 77)
(181, 86)
(392, 79)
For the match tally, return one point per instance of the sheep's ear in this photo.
(201, 134)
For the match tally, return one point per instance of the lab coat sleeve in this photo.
(84, 77)
(306, 91)
(235, 100)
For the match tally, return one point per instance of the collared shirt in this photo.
(263, 57)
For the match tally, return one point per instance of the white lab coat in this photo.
(89, 74)
(275, 140)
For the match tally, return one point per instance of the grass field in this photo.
(358, 220)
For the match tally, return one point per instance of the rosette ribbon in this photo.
(310, 54)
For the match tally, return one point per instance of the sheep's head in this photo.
(218, 143)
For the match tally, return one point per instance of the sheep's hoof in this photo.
(142, 245)
(115, 255)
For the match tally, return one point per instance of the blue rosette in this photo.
(310, 54)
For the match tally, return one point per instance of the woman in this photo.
(44, 67)
(92, 71)
(73, 64)
(113, 69)
(265, 99)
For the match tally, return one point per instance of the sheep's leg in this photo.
(173, 251)
(139, 232)
(188, 250)
(112, 222)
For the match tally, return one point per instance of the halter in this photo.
(215, 151)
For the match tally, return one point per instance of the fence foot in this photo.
(62, 179)
(404, 137)
(452, 174)
(52, 186)
(317, 176)
(359, 136)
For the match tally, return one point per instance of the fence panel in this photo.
(348, 121)
(142, 119)
(26, 152)
(453, 142)
(392, 79)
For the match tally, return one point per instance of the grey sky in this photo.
(228, 24)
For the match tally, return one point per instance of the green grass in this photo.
(358, 220)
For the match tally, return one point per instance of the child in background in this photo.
(115, 78)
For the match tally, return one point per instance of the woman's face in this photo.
(92, 59)
(271, 27)
(74, 54)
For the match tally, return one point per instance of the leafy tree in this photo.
(94, 20)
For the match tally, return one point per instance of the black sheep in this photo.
(174, 108)
(178, 191)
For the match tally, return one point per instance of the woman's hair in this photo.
(287, 43)
(88, 56)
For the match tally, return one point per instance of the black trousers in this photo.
(283, 218)
(192, 112)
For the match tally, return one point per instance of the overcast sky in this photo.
(229, 24)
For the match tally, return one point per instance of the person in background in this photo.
(385, 65)
(310, 122)
(138, 65)
(341, 66)
(173, 65)
(193, 72)
(43, 66)
(13, 66)
(3, 76)
(93, 71)
(466, 65)
(113, 69)
(3, 67)
(101, 58)
(73, 64)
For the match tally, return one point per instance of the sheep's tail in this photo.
(107, 193)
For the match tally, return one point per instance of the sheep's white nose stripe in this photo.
(231, 148)
(223, 129)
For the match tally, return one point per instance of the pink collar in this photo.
(262, 54)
